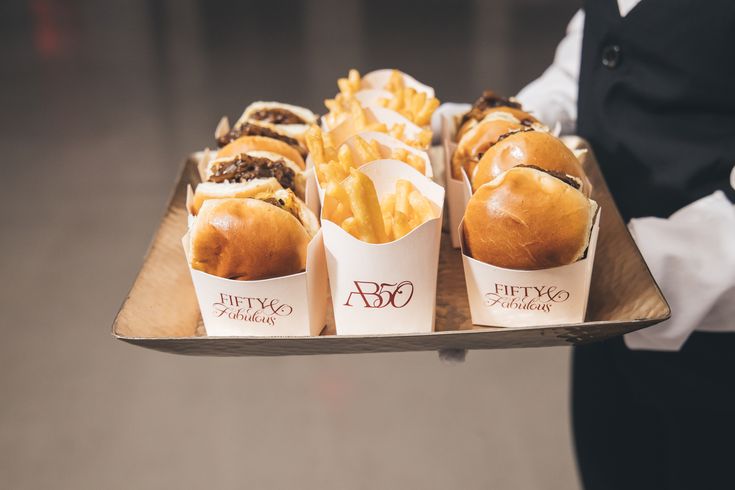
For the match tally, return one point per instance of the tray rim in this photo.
(160, 343)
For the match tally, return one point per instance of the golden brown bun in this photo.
(477, 140)
(246, 144)
(209, 190)
(517, 113)
(527, 219)
(528, 148)
(247, 239)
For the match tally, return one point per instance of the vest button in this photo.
(611, 56)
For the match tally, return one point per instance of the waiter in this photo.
(651, 85)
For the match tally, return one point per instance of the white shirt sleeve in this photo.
(552, 97)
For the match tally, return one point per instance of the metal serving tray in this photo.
(161, 312)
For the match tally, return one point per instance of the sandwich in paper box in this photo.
(257, 263)
(382, 231)
(292, 305)
(254, 248)
(528, 246)
(493, 135)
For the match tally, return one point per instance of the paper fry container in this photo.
(369, 97)
(374, 114)
(294, 305)
(516, 298)
(386, 143)
(386, 288)
(379, 78)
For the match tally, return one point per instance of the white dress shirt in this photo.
(691, 254)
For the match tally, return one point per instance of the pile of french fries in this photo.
(333, 165)
(353, 204)
(414, 106)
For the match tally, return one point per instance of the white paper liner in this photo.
(458, 191)
(517, 298)
(294, 305)
(369, 97)
(379, 78)
(386, 288)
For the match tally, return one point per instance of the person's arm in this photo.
(552, 97)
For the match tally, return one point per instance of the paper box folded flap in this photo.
(521, 298)
(368, 97)
(458, 191)
(294, 305)
(387, 143)
(390, 287)
(378, 79)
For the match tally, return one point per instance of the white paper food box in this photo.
(374, 114)
(379, 78)
(386, 288)
(370, 97)
(518, 298)
(281, 306)
(457, 190)
(294, 305)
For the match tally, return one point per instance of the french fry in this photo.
(414, 106)
(353, 204)
(401, 225)
(365, 151)
(365, 207)
(403, 188)
(421, 206)
(387, 206)
(410, 210)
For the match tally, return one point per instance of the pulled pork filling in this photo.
(248, 129)
(567, 179)
(488, 100)
(277, 115)
(244, 167)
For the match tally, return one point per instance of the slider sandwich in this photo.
(286, 118)
(476, 141)
(252, 238)
(488, 103)
(529, 218)
(256, 157)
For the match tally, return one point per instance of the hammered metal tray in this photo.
(161, 312)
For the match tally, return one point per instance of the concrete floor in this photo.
(100, 102)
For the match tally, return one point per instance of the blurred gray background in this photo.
(100, 103)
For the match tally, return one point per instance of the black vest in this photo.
(657, 100)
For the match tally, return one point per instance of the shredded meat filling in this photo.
(277, 115)
(487, 100)
(244, 168)
(559, 175)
